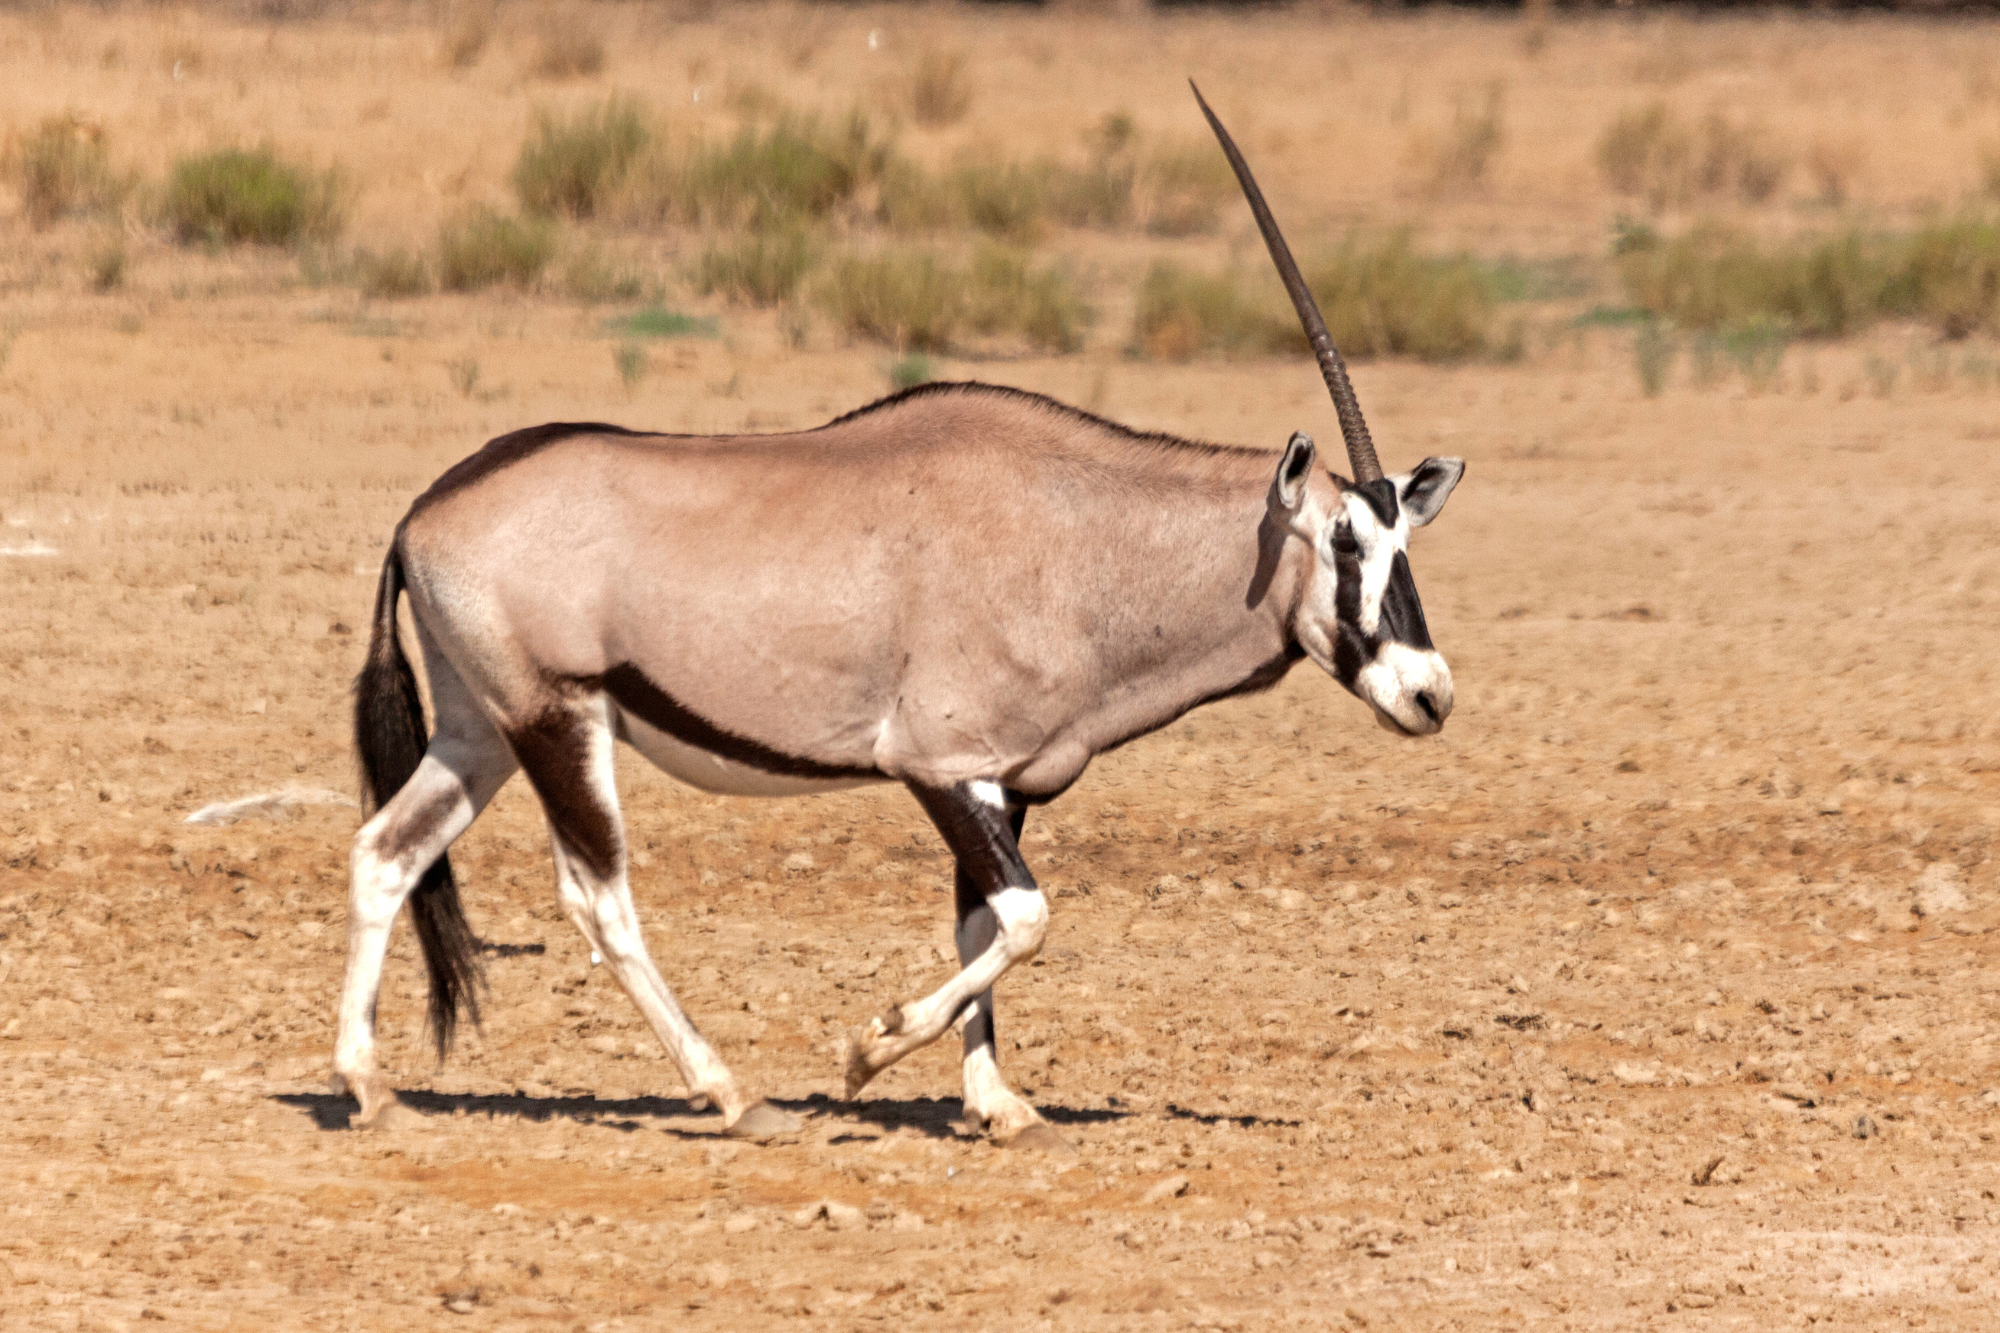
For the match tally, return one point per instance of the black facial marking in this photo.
(1402, 614)
(629, 687)
(1381, 497)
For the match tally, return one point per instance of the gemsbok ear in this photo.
(1293, 469)
(1423, 490)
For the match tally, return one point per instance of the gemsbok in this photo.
(966, 589)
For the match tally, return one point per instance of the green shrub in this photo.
(1004, 199)
(908, 300)
(1387, 300)
(1952, 277)
(660, 322)
(1380, 299)
(60, 169)
(1712, 278)
(1099, 193)
(919, 301)
(569, 165)
(393, 273)
(762, 268)
(236, 195)
(1181, 313)
(588, 274)
(481, 246)
(910, 370)
(1041, 306)
(795, 169)
(1185, 188)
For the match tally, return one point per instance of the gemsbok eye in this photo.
(1343, 540)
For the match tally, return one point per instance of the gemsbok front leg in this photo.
(989, 1102)
(567, 754)
(1004, 926)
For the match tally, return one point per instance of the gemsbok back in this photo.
(968, 590)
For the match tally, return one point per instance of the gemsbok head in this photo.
(1360, 619)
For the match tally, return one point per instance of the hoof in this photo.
(761, 1120)
(1038, 1137)
(858, 1072)
(378, 1103)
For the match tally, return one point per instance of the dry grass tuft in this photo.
(105, 263)
(466, 29)
(481, 247)
(568, 45)
(392, 274)
(62, 168)
(250, 196)
(940, 89)
(1650, 153)
(1183, 188)
(1457, 161)
(571, 164)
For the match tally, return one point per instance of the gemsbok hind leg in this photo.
(1002, 921)
(567, 753)
(465, 763)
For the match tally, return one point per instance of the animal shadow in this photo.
(933, 1117)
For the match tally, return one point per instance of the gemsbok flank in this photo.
(968, 590)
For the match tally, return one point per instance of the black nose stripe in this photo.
(1402, 612)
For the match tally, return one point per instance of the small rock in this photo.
(907, 1221)
(740, 1223)
(1170, 1188)
(1939, 889)
(1634, 1074)
(714, 1275)
(1864, 1128)
(1707, 1172)
(844, 1216)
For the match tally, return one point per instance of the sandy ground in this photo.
(1658, 992)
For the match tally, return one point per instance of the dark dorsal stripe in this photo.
(506, 450)
(630, 688)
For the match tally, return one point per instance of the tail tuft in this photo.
(390, 736)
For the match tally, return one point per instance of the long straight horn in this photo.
(1360, 449)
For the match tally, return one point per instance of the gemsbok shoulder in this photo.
(969, 590)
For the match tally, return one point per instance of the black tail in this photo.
(390, 736)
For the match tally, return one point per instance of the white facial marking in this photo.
(1392, 682)
(1379, 546)
(988, 793)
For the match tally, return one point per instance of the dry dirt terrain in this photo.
(1659, 992)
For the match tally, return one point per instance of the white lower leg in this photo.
(605, 915)
(1024, 917)
(391, 852)
(989, 1102)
